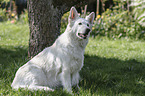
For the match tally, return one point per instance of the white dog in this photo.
(59, 64)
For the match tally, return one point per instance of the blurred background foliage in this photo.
(125, 19)
(13, 11)
(117, 23)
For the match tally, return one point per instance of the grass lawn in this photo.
(111, 67)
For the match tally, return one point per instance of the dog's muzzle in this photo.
(85, 34)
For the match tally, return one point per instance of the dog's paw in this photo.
(48, 89)
(78, 87)
(68, 91)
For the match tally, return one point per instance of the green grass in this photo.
(111, 67)
(115, 67)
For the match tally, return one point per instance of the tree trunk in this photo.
(44, 21)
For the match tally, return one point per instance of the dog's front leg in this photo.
(66, 80)
(75, 79)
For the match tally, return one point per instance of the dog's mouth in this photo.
(82, 36)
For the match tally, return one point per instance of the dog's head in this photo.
(82, 27)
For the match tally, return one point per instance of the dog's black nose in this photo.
(87, 31)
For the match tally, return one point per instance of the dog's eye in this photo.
(88, 25)
(80, 23)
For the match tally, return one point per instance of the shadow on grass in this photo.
(11, 59)
(113, 76)
(12, 54)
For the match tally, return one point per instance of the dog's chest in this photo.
(71, 55)
(76, 64)
(76, 58)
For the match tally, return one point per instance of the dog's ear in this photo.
(90, 17)
(73, 14)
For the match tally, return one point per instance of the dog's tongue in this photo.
(83, 35)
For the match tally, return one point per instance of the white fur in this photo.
(59, 64)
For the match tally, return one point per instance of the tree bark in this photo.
(44, 21)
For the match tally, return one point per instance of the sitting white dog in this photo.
(59, 64)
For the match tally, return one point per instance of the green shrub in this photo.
(64, 22)
(3, 15)
(117, 23)
(139, 11)
(11, 16)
